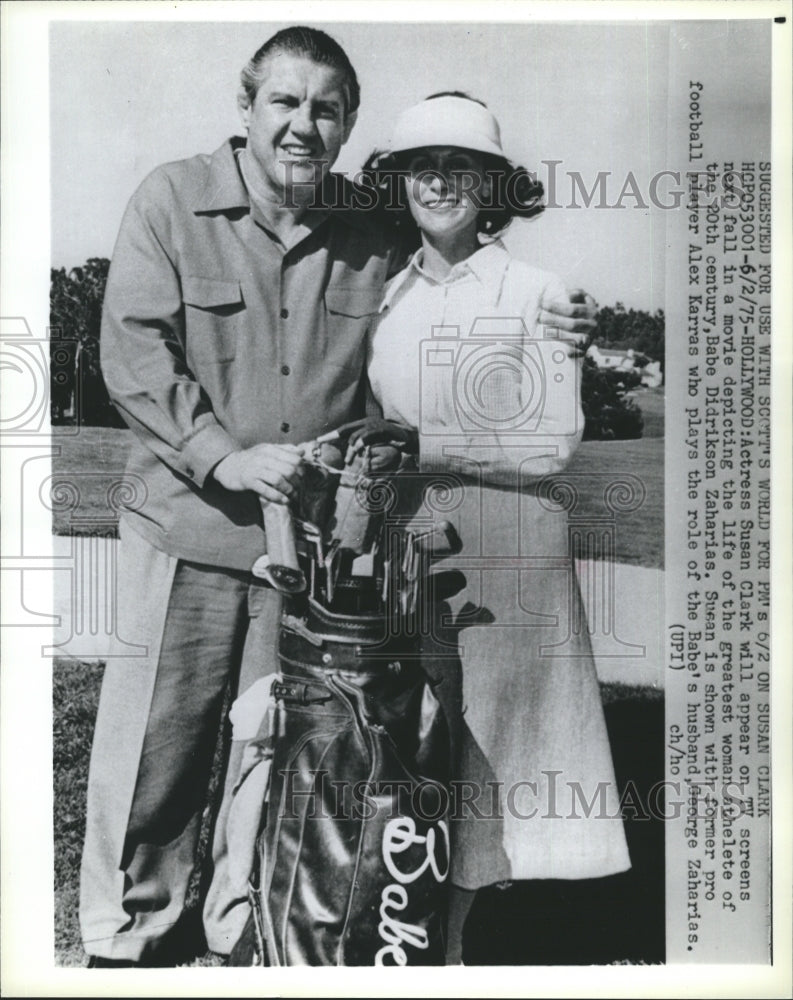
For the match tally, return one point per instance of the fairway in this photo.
(639, 533)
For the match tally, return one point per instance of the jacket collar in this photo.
(225, 189)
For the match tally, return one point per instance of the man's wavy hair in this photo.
(310, 43)
(515, 191)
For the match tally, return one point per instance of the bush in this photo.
(608, 412)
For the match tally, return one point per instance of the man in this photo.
(234, 328)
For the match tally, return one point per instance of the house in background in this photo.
(628, 361)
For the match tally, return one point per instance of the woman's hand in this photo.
(574, 322)
(383, 435)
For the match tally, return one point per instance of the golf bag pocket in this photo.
(352, 859)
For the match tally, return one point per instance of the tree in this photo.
(608, 412)
(78, 394)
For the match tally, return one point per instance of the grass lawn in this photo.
(75, 695)
(95, 457)
(598, 921)
(640, 533)
(651, 403)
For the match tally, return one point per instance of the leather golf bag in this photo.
(352, 855)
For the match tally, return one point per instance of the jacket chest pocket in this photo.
(214, 311)
(348, 314)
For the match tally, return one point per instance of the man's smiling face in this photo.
(296, 125)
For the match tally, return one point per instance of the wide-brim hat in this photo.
(447, 121)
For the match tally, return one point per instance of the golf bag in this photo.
(351, 759)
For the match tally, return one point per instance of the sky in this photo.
(126, 96)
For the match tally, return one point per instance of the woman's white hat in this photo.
(447, 121)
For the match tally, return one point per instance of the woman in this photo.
(457, 354)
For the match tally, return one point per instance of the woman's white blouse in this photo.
(492, 393)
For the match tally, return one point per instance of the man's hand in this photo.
(271, 470)
(575, 321)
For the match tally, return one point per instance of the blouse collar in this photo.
(487, 265)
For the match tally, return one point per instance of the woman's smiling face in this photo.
(445, 187)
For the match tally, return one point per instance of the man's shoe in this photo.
(97, 962)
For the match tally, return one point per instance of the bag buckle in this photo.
(300, 694)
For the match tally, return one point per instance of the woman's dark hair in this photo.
(515, 192)
(300, 41)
